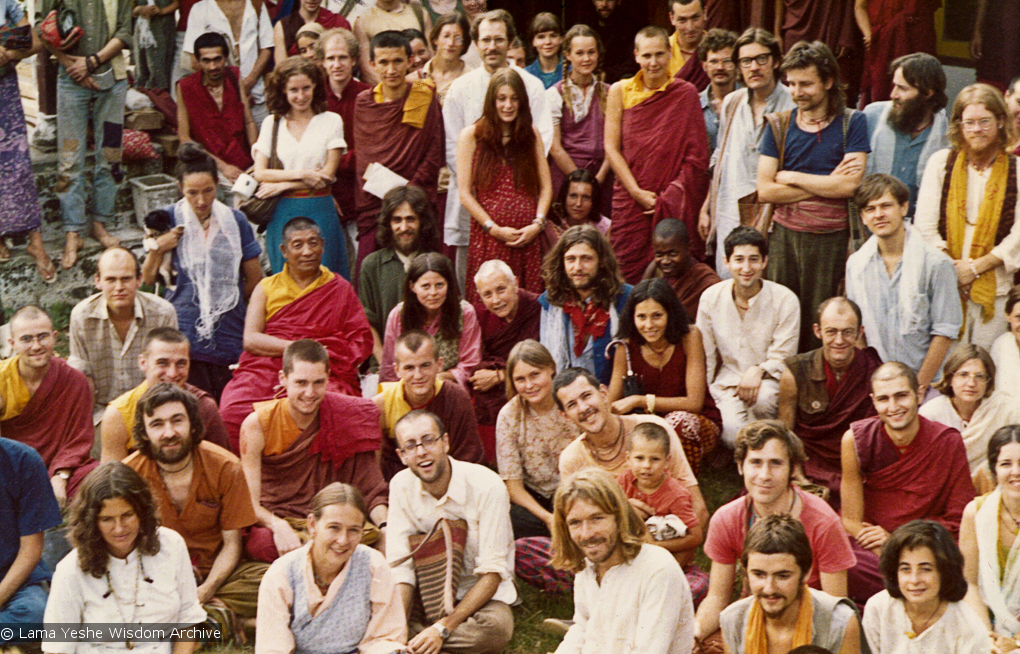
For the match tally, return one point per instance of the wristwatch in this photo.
(444, 633)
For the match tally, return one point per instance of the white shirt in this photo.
(958, 631)
(476, 495)
(643, 606)
(995, 411)
(462, 107)
(738, 174)
(1006, 356)
(256, 34)
(324, 132)
(764, 337)
(171, 596)
(926, 217)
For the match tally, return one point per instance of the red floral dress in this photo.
(511, 207)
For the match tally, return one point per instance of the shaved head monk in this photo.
(304, 300)
(33, 382)
(661, 172)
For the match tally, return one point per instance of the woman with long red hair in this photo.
(505, 183)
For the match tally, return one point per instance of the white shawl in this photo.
(1003, 598)
(213, 265)
(913, 301)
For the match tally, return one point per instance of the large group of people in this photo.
(504, 322)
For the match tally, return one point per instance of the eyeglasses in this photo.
(979, 377)
(493, 40)
(426, 442)
(761, 60)
(981, 125)
(721, 63)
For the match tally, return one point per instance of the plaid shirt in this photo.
(97, 351)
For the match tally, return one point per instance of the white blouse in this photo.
(325, 132)
(166, 593)
(958, 631)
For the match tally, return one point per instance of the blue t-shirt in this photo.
(226, 344)
(818, 153)
(548, 79)
(27, 504)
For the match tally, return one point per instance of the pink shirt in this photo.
(825, 532)
(470, 347)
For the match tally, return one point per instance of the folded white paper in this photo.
(379, 180)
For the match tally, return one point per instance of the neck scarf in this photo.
(983, 290)
(1000, 592)
(214, 264)
(589, 320)
(756, 639)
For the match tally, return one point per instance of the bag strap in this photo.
(853, 215)
(274, 160)
(779, 123)
(419, 13)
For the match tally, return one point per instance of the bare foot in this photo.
(72, 244)
(107, 239)
(5, 253)
(47, 270)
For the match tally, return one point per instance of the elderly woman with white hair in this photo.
(507, 315)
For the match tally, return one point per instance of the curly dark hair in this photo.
(413, 314)
(608, 280)
(948, 559)
(111, 480)
(658, 289)
(276, 85)
(155, 397)
(428, 230)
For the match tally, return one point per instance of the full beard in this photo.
(909, 116)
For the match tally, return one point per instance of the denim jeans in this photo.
(72, 126)
(26, 607)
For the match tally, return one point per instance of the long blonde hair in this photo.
(991, 98)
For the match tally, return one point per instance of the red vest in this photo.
(221, 132)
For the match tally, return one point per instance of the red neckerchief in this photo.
(588, 320)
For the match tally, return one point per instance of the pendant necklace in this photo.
(134, 600)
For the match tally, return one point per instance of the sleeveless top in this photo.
(831, 615)
(671, 381)
(341, 626)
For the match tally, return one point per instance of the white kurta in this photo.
(170, 596)
(1006, 356)
(656, 618)
(998, 410)
(958, 631)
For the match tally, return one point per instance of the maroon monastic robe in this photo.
(690, 284)
(220, 131)
(381, 136)
(694, 72)
(930, 481)
(831, 22)
(345, 185)
(821, 427)
(665, 144)
(898, 27)
(331, 315)
(498, 338)
(57, 423)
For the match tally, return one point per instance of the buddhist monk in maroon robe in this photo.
(657, 145)
(45, 403)
(398, 125)
(292, 447)
(304, 301)
(688, 18)
(898, 467)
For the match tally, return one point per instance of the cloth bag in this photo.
(438, 558)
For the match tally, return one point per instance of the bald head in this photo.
(117, 256)
(118, 278)
(837, 306)
(29, 313)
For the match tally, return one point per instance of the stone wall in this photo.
(20, 282)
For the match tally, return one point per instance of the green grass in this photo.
(718, 487)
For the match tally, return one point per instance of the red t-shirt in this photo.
(672, 498)
(829, 541)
